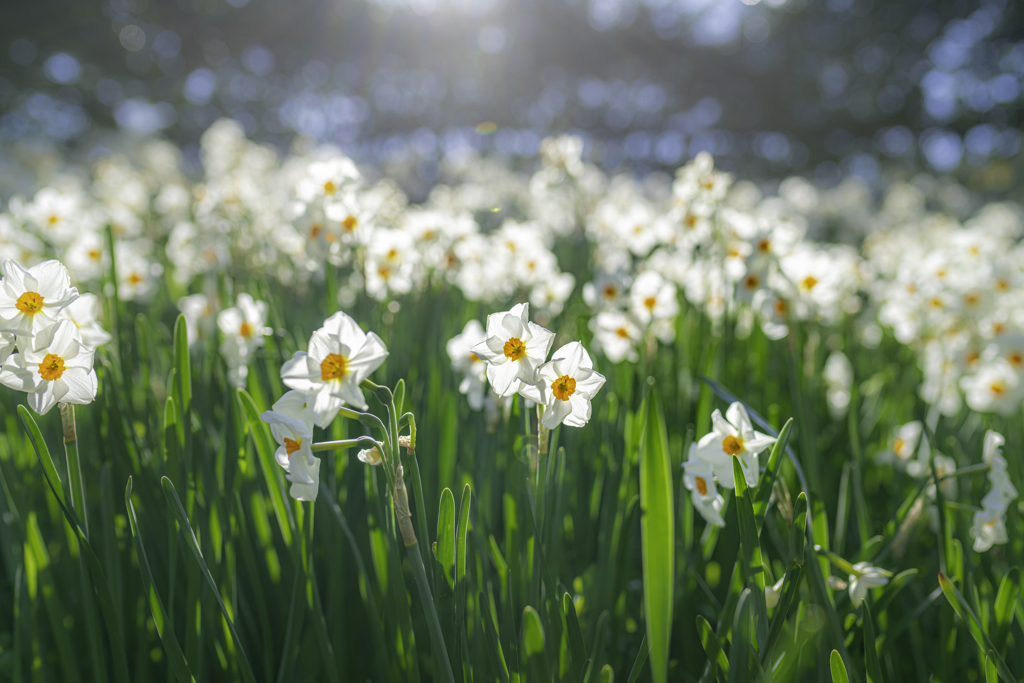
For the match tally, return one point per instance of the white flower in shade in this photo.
(865, 578)
(513, 350)
(996, 387)
(135, 273)
(731, 437)
(1002, 492)
(86, 256)
(291, 423)
(566, 385)
(699, 480)
(468, 364)
(57, 369)
(653, 298)
(617, 334)
(905, 439)
(773, 593)
(30, 299)
(84, 312)
(198, 312)
(340, 356)
(989, 529)
(243, 327)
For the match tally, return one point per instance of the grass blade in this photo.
(871, 664)
(712, 648)
(839, 674)
(974, 626)
(657, 533)
(577, 650)
(175, 657)
(750, 546)
(271, 473)
(767, 482)
(174, 504)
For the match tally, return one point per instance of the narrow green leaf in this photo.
(494, 652)
(1005, 605)
(798, 533)
(577, 650)
(45, 460)
(742, 637)
(175, 657)
(657, 533)
(871, 665)
(533, 644)
(638, 663)
(712, 648)
(174, 504)
(991, 675)
(463, 531)
(767, 482)
(819, 525)
(750, 546)
(607, 674)
(973, 625)
(790, 586)
(444, 550)
(838, 669)
(183, 385)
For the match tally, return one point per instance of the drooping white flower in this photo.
(32, 298)
(989, 529)
(699, 480)
(514, 349)
(291, 423)
(469, 365)
(371, 456)
(866, 577)
(56, 368)
(84, 312)
(905, 440)
(731, 437)
(566, 385)
(340, 356)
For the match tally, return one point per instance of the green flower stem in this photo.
(363, 441)
(843, 564)
(433, 623)
(67, 418)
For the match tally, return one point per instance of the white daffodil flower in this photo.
(989, 529)
(699, 480)
(291, 423)
(340, 356)
(31, 298)
(57, 369)
(513, 350)
(566, 385)
(773, 593)
(242, 329)
(866, 577)
(733, 437)
(7, 343)
(469, 365)
(84, 313)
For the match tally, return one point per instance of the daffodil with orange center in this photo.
(57, 369)
(730, 437)
(291, 423)
(565, 387)
(513, 349)
(339, 357)
(698, 478)
(32, 298)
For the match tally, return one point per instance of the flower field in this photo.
(279, 422)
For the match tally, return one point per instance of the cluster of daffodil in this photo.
(512, 355)
(48, 334)
(324, 380)
(949, 290)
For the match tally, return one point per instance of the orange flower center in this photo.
(473, 358)
(732, 445)
(622, 332)
(245, 330)
(563, 387)
(702, 485)
(809, 282)
(1016, 358)
(650, 302)
(52, 367)
(314, 231)
(350, 223)
(29, 303)
(515, 348)
(781, 307)
(330, 187)
(95, 254)
(335, 366)
(899, 446)
(134, 278)
(751, 282)
(610, 291)
(292, 445)
(998, 388)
